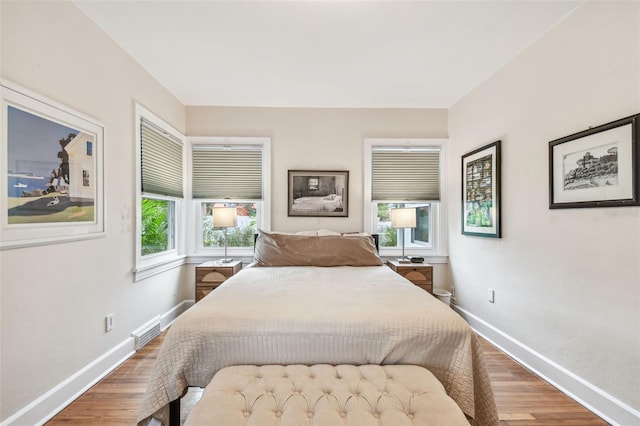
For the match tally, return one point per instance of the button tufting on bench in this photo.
(325, 395)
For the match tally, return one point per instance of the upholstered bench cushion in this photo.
(295, 395)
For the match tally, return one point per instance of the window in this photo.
(406, 173)
(420, 235)
(89, 149)
(239, 236)
(313, 184)
(160, 195)
(392, 237)
(229, 172)
(157, 223)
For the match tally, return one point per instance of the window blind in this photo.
(411, 174)
(227, 172)
(161, 161)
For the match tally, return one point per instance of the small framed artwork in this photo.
(597, 167)
(51, 171)
(481, 191)
(318, 193)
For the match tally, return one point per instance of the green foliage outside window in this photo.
(384, 212)
(389, 238)
(155, 226)
(388, 235)
(237, 237)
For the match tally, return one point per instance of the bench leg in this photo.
(174, 412)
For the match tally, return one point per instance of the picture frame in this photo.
(318, 193)
(597, 167)
(52, 185)
(481, 198)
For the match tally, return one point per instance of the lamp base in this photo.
(403, 260)
(226, 260)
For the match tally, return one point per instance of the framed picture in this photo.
(481, 191)
(597, 167)
(318, 193)
(52, 176)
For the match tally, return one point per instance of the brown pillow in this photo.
(303, 250)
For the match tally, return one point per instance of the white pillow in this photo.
(326, 232)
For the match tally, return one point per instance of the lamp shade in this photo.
(225, 217)
(403, 217)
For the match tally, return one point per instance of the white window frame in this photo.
(152, 264)
(197, 252)
(437, 252)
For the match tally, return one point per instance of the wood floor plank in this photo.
(523, 399)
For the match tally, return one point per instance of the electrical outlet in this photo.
(108, 323)
(491, 296)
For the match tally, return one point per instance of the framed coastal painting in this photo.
(51, 171)
(481, 191)
(318, 193)
(597, 167)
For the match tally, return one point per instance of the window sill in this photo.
(428, 258)
(157, 265)
(201, 258)
(208, 254)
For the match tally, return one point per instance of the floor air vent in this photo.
(147, 332)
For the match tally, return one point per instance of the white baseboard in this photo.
(168, 318)
(593, 398)
(52, 402)
(48, 405)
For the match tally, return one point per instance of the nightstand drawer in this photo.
(416, 274)
(203, 290)
(210, 275)
(419, 274)
(213, 275)
(425, 287)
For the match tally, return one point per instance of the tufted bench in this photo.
(326, 395)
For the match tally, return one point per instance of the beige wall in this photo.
(54, 298)
(320, 139)
(316, 139)
(567, 282)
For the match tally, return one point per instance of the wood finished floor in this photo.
(523, 399)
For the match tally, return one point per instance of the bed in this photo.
(290, 307)
(328, 203)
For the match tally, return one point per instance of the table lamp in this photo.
(225, 217)
(403, 218)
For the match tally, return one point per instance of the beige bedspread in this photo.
(313, 315)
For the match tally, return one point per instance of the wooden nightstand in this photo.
(421, 274)
(210, 275)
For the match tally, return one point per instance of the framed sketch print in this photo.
(597, 167)
(51, 171)
(318, 193)
(481, 191)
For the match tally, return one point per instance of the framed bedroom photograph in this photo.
(481, 191)
(52, 176)
(318, 193)
(597, 167)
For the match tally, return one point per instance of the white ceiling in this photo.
(425, 54)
